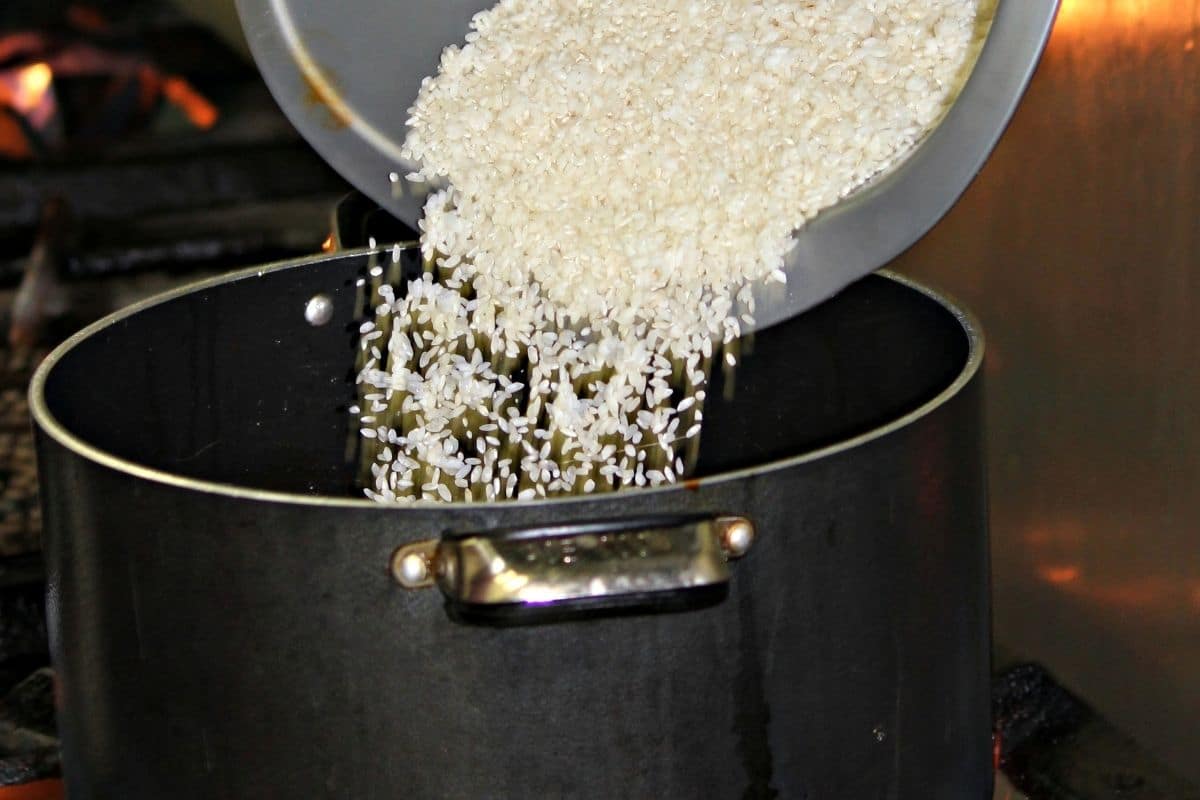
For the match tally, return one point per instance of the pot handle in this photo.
(551, 573)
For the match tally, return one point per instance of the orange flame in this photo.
(199, 111)
(32, 84)
(25, 91)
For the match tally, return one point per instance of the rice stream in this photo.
(619, 175)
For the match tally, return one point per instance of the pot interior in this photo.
(229, 383)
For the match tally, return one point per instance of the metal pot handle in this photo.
(551, 573)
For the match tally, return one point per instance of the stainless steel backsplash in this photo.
(1079, 246)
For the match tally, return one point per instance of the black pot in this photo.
(229, 619)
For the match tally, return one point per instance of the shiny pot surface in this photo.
(229, 619)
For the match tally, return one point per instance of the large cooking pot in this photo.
(231, 620)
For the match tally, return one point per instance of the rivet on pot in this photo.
(737, 535)
(319, 310)
(413, 568)
(412, 565)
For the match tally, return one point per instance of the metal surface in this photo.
(1055, 747)
(413, 564)
(346, 74)
(224, 624)
(626, 562)
(1079, 247)
(318, 310)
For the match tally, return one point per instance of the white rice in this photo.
(618, 174)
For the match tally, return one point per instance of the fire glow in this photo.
(32, 85)
(1059, 575)
(1090, 17)
(195, 106)
(26, 99)
(1062, 557)
(32, 124)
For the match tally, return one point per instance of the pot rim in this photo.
(48, 424)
